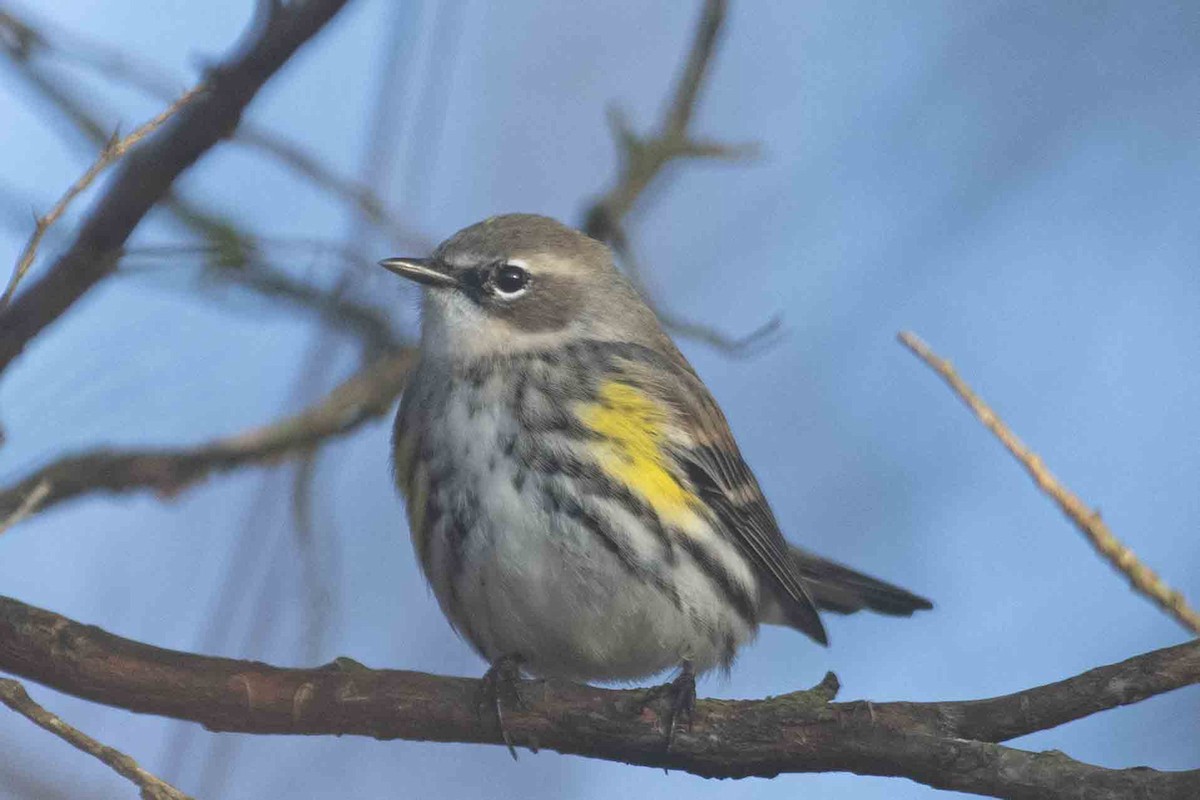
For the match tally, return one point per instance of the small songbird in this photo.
(574, 494)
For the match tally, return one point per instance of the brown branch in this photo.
(13, 695)
(148, 172)
(113, 150)
(998, 719)
(364, 396)
(798, 732)
(1143, 579)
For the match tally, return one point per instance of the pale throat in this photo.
(454, 328)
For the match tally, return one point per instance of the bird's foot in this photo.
(681, 694)
(499, 684)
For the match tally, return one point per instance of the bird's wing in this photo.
(708, 459)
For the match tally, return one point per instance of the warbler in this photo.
(574, 494)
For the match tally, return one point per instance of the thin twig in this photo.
(113, 150)
(29, 38)
(148, 172)
(29, 505)
(1144, 579)
(13, 695)
(641, 159)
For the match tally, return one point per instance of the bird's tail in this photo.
(838, 588)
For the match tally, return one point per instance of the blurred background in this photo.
(1016, 182)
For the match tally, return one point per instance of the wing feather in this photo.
(709, 459)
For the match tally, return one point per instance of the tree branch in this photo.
(999, 719)
(147, 173)
(13, 695)
(26, 39)
(113, 150)
(797, 732)
(1144, 579)
(368, 394)
(643, 158)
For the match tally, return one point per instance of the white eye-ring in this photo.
(511, 279)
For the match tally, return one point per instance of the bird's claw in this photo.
(501, 682)
(681, 693)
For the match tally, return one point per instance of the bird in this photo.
(575, 496)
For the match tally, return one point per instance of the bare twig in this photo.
(115, 149)
(232, 254)
(13, 695)
(1144, 579)
(641, 161)
(33, 500)
(366, 395)
(944, 744)
(643, 158)
(228, 245)
(147, 173)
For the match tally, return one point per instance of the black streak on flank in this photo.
(735, 594)
(558, 501)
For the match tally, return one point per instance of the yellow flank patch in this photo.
(632, 430)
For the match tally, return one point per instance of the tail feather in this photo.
(839, 589)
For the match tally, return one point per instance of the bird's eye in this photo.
(510, 280)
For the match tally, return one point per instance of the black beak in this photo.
(421, 270)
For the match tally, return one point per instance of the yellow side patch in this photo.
(632, 430)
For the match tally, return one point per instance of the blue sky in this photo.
(1016, 182)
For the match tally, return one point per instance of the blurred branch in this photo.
(316, 573)
(13, 695)
(364, 396)
(232, 255)
(24, 39)
(1144, 579)
(29, 504)
(231, 246)
(641, 159)
(114, 149)
(369, 325)
(362, 197)
(798, 732)
(27, 38)
(148, 172)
